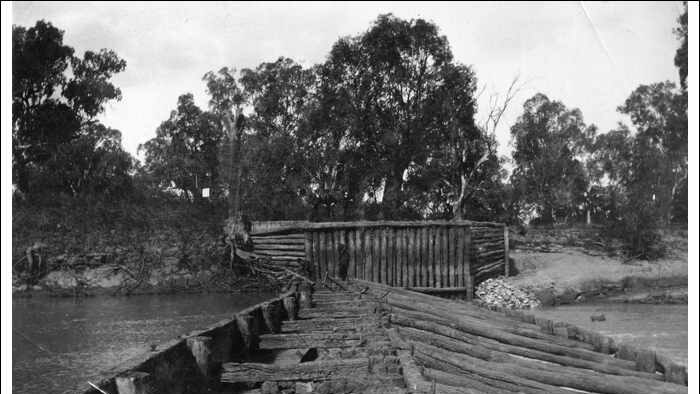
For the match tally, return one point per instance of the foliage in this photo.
(681, 58)
(184, 153)
(549, 143)
(57, 144)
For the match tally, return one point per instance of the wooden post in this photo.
(271, 315)
(200, 346)
(245, 327)
(290, 305)
(309, 254)
(305, 300)
(134, 382)
(505, 246)
(646, 360)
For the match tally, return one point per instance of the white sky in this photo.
(592, 64)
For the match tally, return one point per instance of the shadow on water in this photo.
(59, 343)
(663, 328)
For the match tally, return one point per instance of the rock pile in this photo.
(496, 292)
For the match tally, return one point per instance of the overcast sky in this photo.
(588, 55)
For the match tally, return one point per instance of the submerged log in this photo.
(312, 370)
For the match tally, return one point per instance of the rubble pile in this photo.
(496, 292)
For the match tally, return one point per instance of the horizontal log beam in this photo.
(313, 370)
(318, 340)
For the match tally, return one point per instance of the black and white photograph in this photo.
(349, 197)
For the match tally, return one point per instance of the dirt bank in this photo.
(569, 276)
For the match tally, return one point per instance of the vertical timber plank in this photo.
(411, 260)
(505, 246)
(429, 257)
(438, 256)
(322, 253)
(308, 251)
(391, 260)
(368, 253)
(459, 246)
(423, 257)
(469, 279)
(316, 254)
(350, 234)
(376, 255)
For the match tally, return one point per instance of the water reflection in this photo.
(58, 344)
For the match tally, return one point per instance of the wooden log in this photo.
(383, 267)
(201, 349)
(483, 323)
(281, 253)
(431, 257)
(506, 246)
(462, 381)
(290, 306)
(414, 258)
(271, 316)
(359, 256)
(488, 350)
(459, 256)
(646, 360)
(438, 358)
(323, 247)
(579, 380)
(352, 249)
(322, 339)
(316, 243)
(320, 324)
(444, 258)
(439, 290)
(305, 297)
(308, 251)
(312, 370)
(133, 382)
(468, 277)
(673, 372)
(274, 246)
(367, 246)
(315, 313)
(247, 327)
(376, 255)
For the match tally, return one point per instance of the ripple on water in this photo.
(59, 344)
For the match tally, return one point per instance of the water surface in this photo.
(663, 328)
(58, 344)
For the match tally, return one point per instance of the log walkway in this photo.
(362, 337)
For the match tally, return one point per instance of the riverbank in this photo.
(572, 276)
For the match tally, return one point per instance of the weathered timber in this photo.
(247, 328)
(462, 381)
(505, 252)
(561, 377)
(438, 358)
(438, 290)
(313, 370)
(352, 323)
(271, 316)
(290, 306)
(305, 297)
(319, 340)
(133, 382)
(201, 349)
(314, 313)
(485, 349)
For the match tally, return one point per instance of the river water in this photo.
(58, 344)
(663, 328)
